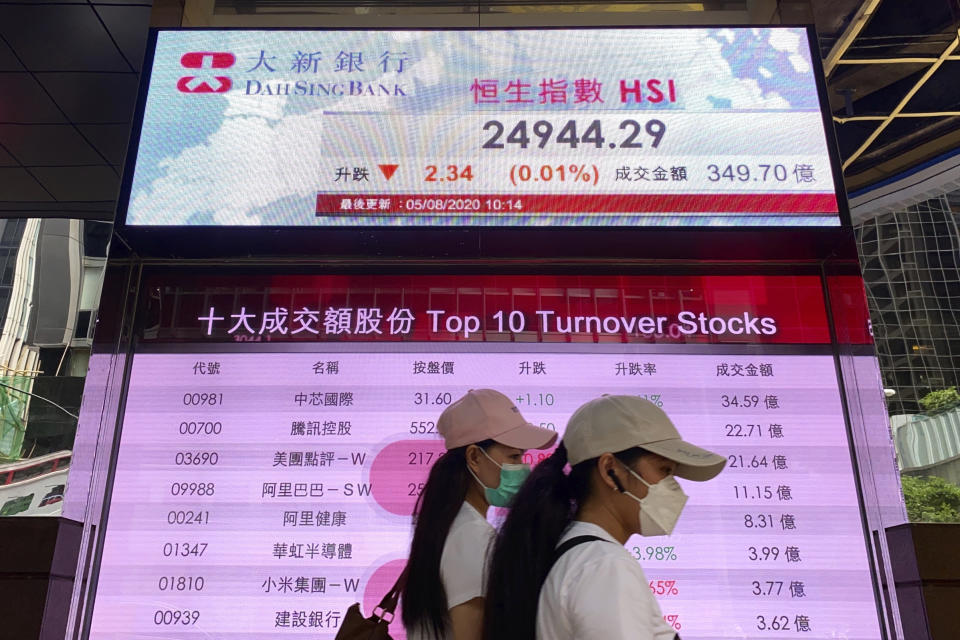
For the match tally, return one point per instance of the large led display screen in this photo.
(587, 127)
(277, 433)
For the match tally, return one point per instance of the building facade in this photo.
(911, 269)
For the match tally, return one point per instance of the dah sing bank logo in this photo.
(207, 82)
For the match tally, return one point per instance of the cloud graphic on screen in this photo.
(240, 167)
(250, 158)
(788, 40)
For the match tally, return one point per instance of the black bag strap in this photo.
(570, 544)
(388, 605)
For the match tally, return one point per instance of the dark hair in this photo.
(524, 550)
(424, 597)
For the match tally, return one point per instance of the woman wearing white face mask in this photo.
(485, 436)
(559, 569)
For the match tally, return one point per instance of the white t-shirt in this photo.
(597, 590)
(463, 564)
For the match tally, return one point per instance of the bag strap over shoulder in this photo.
(388, 605)
(570, 544)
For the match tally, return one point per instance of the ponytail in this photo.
(524, 549)
(526, 545)
(424, 597)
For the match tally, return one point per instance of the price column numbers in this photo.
(415, 488)
(421, 458)
(423, 427)
(421, 398)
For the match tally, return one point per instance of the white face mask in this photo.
(660, 510)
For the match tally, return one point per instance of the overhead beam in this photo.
(927, 60)
(850, 33)
(929, 114)
(903, 102)
(886, 60)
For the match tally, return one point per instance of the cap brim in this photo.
(527, 436)
(693, 462)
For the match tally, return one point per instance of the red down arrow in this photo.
(388, 170)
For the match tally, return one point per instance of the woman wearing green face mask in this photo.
(485, 436)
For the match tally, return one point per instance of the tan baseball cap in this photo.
(610, 424)
(485, 414)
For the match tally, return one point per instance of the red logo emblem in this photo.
(206, 83)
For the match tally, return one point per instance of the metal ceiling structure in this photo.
(892, 69)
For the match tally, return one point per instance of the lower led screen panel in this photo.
(262, 488)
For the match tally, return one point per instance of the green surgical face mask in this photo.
(512, 477)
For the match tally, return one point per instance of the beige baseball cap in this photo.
(610, 424)
(485, 414)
